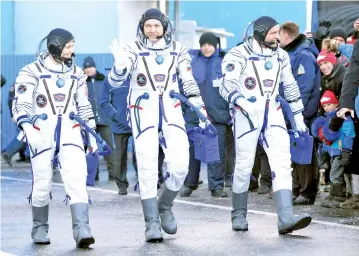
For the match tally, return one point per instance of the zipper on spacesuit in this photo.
(57, 138)
(162, 109)
(262, 138)
(162, 114)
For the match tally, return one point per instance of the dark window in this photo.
(340, 13)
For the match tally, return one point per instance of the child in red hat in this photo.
(338, 144)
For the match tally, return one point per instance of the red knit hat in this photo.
(326, 56)
(328, 97)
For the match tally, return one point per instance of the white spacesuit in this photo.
(154, 68)
(51, 88)
(252, 74)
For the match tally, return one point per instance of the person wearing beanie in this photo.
(349, 107)
(252, 72)
(302, 54)
(60, 45)
(206, 68)
(338, 144)
(339, 34)
(332, 73)
(155, 63)
(95, 90)
(326, 61)
(53, 85)
(208, 43)
(329, 101)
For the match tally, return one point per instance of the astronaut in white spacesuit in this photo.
(154, 63)
(252, 74)
(51, 88)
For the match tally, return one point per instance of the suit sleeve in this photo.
(25, 85)
(233, 65)
(189, 84)
(84, 109)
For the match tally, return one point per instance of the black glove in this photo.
(336, 123)
(346, 154)
(338, 54)
(323, 29)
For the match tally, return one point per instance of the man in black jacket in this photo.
(347, 106)
(95, 89)
(350, 85)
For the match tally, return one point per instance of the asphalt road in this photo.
(204, 226)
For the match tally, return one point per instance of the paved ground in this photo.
(204, 224)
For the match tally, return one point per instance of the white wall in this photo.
(93, 23)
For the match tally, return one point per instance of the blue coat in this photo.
(343, 139)
(346, 50)
(207, 73)
(95, 88)
(307, 74)
(114, 105)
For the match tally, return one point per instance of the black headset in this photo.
(55, 45)
(259, 33)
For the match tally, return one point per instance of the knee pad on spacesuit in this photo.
(74, 173)
(177, 167)
(242, 171)
(42, 183)
(281, 171)
(148, 184)
(147, 166)
(241, 180)
(244, 160)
